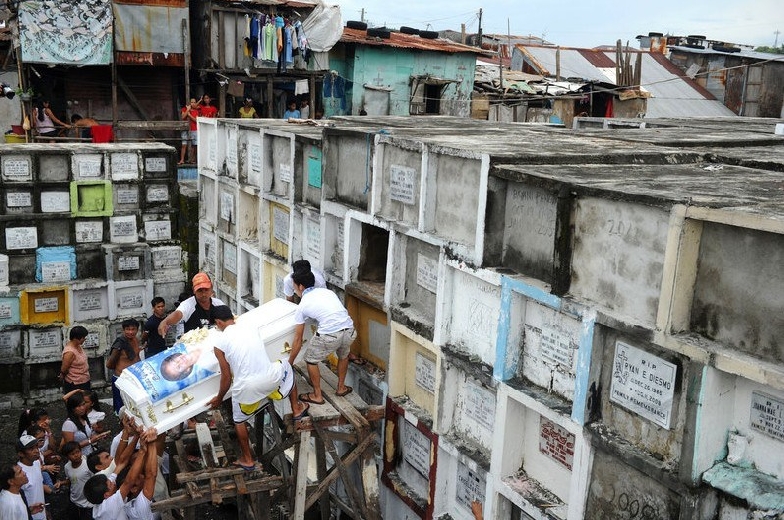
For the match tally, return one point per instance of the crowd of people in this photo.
(118, 474)
(105, 476)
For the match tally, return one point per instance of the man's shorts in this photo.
(322, 345)
(242, 412)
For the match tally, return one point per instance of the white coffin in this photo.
(155, 401)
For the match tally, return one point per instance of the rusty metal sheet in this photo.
(149, 29)
(150, 58)
(160, 3)
(407, 41)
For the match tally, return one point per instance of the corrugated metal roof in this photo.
(407, 41)
(764, 56)
(287, 3)
(672, 93)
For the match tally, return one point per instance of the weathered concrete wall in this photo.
(401, 178)
(551, 341)
(739, 290)
(347, 179)
(312, 171)
(250, 165)
(421, 278)
(620, 492)
(278, 157)
(475, 309)
(413, 368)
(619, 256)
(529, 231)
(457, 197)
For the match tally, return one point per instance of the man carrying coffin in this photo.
(248, 371)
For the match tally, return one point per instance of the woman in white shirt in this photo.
(77, 426)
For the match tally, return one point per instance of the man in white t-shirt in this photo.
(12, 506)
(288, 283)
(107, 498)
(30, 462)
(247, 370)
(335, 333)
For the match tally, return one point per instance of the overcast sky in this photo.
(585, 24)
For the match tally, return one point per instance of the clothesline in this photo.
(274, 40)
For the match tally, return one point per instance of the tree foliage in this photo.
(770, 50)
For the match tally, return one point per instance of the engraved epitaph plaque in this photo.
(401, 184)
(480, 406)
(89, 230)
(127, 195)
(415, 448)
(643, 383)
(21, 238)
(155, 164)
(16, 168)
(280, 225)
(427, 273)
(285, 172)
(55, 272)
(157, 230)
(556, 442)
(125, 166)
(48, 304)
(425, 373)
(767, 415)
(128, 263)
(18, 199)
(55, 201)
(470, 486)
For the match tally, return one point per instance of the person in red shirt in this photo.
(189, 137)
(206, 109)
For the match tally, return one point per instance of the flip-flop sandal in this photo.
(305, 398)
(302, 414)
(252, 467)
(358, 361)
(347, 391)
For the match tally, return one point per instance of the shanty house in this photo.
(747, 82)
(392, 73)
(589, 84)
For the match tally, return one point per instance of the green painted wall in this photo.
(392, 67)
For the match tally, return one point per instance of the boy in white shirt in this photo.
(78, 474)
(29, 461)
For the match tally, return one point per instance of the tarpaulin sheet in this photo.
(323, 27)
(66, 33)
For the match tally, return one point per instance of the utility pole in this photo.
(776, 43)
(362, 15)
(479, 35)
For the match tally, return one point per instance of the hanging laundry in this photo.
(260, 46)
(288, 57)
(301, 87)
(270, 44)
(279, 23)
(254, 37)
(246, 49)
